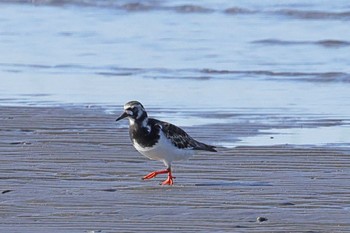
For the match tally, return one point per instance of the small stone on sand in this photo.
(261, 219)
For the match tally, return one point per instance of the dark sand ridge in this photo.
(73, 170)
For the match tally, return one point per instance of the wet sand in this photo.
(74, 170)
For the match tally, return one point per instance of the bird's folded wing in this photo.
(177, 136)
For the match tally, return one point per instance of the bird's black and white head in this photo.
(135, 112)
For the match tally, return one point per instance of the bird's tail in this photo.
(202, 146)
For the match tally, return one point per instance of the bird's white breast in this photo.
(164, 150)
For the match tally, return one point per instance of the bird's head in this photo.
(134, 110)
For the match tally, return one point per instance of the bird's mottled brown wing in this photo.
(181, 139)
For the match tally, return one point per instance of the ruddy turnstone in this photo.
(159, 140)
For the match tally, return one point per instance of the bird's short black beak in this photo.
(122, 116)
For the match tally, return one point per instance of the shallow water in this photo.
(288, 58)
(326, 136)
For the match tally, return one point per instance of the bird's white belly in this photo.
(164, 151)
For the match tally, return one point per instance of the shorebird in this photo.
(159, 140)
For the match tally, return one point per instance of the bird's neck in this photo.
(140, 123)
(144, 123)
(139, 129)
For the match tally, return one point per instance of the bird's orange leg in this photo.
(154, 174)
(168, 181)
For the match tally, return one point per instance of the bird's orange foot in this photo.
(149, 176)
(169, 180)
(154, 174)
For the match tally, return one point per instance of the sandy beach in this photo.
(74, 170)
